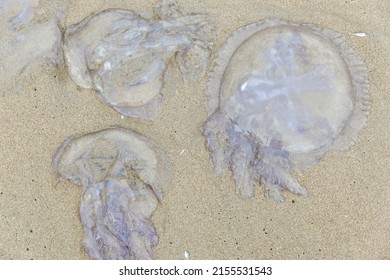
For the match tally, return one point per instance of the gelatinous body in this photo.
(281, 96)
(123, 56)
(30, 34)
(123, 175)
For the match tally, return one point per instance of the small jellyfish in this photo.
(123, 56)
(28, 35)
(22, 12)
(281, 96)
(123, 175)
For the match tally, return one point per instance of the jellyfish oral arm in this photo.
(276, 178)
(113, 230)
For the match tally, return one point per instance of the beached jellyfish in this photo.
(123, 56)
(123, 175)
(29, 34)
(281, 96)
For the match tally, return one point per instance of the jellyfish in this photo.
(123, 175)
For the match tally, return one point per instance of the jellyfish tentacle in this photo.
(276, 177)
(129, 206)
(113, 227)
(216, 132)
(241, 160)
(273, 191)
(98, 242)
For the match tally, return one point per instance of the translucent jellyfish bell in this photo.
(281, 96)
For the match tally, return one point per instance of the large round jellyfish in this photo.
(123, 56)
(123, 175)
(281, 96)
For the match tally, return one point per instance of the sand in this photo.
(346, 215)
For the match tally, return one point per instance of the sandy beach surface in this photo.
(345, 216)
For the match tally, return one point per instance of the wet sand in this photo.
(346, 215)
